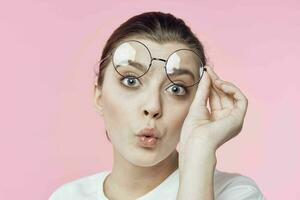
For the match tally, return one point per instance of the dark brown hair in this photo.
(156, 26)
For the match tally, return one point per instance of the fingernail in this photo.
(202, 71)
(211, 67)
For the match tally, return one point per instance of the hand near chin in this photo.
(203, 130)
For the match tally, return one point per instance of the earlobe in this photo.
(98, 99)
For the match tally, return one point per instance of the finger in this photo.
(198, 107)
(203, 91)
(240, 101)
(214, 100)
(227, 100)
(214, 77)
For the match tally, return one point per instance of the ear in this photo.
(98, 99)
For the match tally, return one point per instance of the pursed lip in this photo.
(151, 132)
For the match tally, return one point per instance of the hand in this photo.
(206, 130)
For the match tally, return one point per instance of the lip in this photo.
(150, 132)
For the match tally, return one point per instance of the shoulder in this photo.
(79, 188)
(235, 186)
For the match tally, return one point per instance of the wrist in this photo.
(196, 178)
(199, 150)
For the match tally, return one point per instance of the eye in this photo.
(129, 80)
(178, 90)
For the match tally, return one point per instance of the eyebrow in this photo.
(142, 67)
(182, 71)
(138, 65)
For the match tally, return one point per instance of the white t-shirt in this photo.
(227, 186)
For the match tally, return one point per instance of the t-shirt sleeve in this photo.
(61, 193)
(241, 188)
(242, 192)
(56, 195)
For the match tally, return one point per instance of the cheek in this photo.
(117, 110)
(177, 119)
(111, 110)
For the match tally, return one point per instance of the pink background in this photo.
(50, 132)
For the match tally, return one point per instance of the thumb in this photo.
(202, 92)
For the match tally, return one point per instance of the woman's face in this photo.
(128, 106)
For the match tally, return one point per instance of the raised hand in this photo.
(206, 130)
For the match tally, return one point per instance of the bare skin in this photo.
(186, 122)
(205, 131)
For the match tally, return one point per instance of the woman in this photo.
(151, 90)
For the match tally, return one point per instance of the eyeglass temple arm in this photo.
(101, 63)
(105, 58)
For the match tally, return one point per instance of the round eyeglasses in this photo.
(183, 66)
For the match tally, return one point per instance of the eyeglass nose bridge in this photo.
(160, 59)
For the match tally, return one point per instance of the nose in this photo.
(151, 114)
(152, 108)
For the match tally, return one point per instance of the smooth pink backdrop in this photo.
(50, 132)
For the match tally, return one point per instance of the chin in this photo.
(143, 159)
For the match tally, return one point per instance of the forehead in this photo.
(161, 50)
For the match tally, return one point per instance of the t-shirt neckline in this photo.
(155, 190)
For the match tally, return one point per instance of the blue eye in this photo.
(130, 80)
(178, 90)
